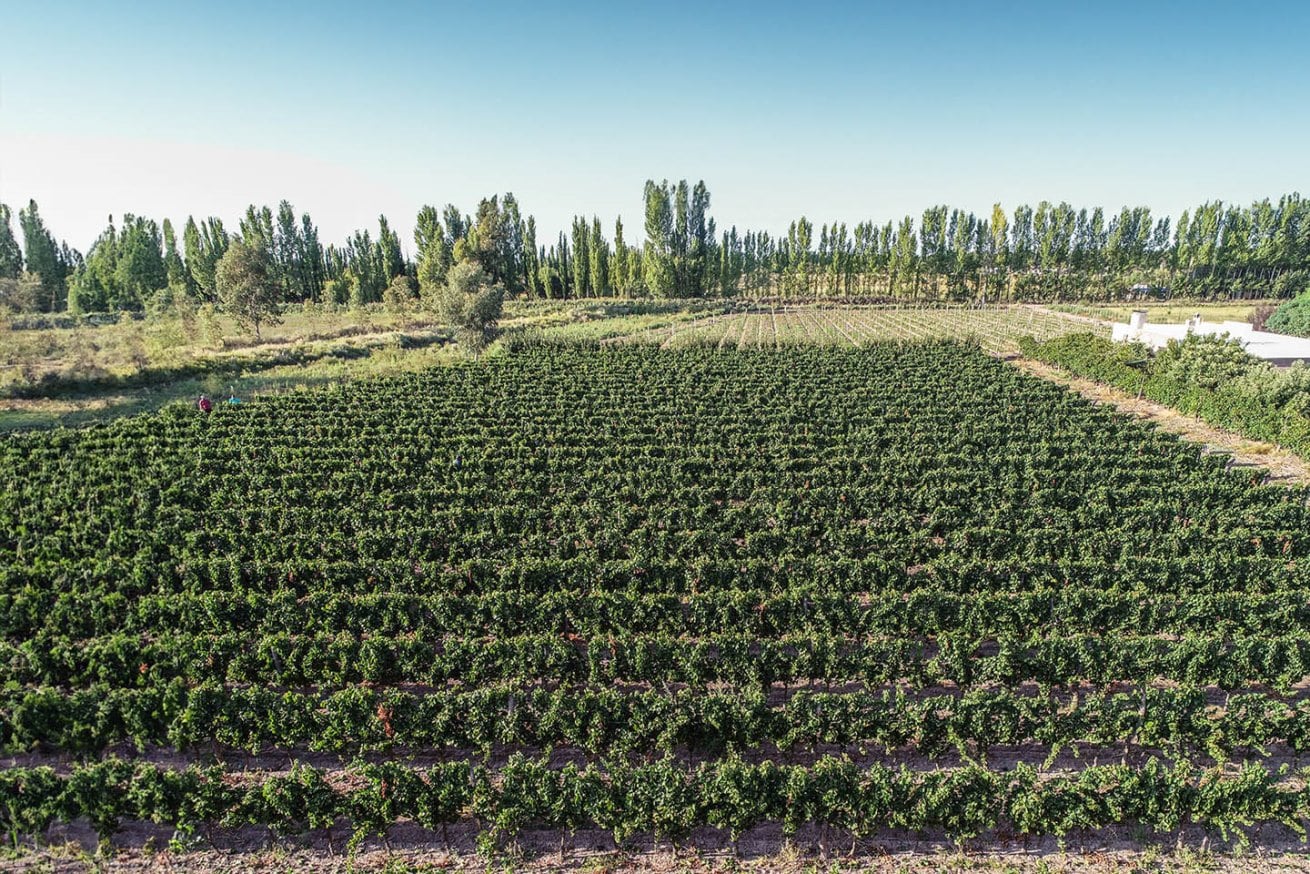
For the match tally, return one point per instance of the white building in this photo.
(1277, 349)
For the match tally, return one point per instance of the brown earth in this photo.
(146, 849)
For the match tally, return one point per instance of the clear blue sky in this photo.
(839, 111)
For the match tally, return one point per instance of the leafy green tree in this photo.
(257, 232)
(431, 278)
(336, 290)
(550, 281)
(44, 258)
(471, 303)
(93, 285)
(658, 268)
(21, 295)
(932, 239)
(1000, 246)
(295, 251)
(286, 251)
(427, 230)
(388, 254)
(124, 268)
(1021, 238)
(681, 210)
(11, 256)
(399, 295)
(432, 253)
(457, 225)
(179, 278)
(531, 259)
(313, 267)
(800, 237)
(960, 240)
(203, 245)
(493, 238)
(904, 256)
(598, 261)
(512, 260)
(360, 267)
(581, 257)
(140, 268)
(620, 278)
(700, 240)
(246, 286)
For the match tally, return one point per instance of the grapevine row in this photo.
(662, 798)
(612, 722)
(121, 579)
(817, 610)
(742, 660)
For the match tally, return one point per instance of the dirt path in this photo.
(146, 848)
(1285, 468)
(1089, 320)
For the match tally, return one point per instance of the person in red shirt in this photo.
(205, 404)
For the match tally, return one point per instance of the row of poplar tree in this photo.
(1051, 251)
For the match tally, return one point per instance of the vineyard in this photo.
(640, 594)
(996, 328)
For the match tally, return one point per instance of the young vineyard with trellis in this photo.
(652, 593)
(997, 328)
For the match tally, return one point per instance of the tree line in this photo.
(1051, 251)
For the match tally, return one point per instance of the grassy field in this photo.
(29, 357)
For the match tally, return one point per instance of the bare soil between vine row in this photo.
(145, 848)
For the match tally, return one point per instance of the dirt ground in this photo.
(145, 848)
(1285, 468)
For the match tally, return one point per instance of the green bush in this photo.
(1207, 360)
(1292, 317)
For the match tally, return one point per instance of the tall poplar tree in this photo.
(657, 266)
(457, 225)
(681, 212)
(581, 258)
(433, 256)
(313, 266)
(599, 261)
(179, 278)
(1000, 247)
(11, 256)
(204, 245)
(1021, 237)
(140, 269)
(388, 255)
(511, 258)
(531, 259)
(700, 240)
(619, 268)
(904, 257)
(45, 258)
